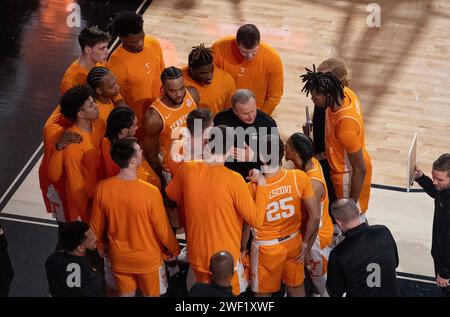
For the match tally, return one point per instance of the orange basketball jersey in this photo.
(283, 214)
(344, 133)
(174, 119)
(326, 225)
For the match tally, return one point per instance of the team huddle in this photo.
(137, 151)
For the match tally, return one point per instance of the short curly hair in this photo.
(128, 23)
(72, 101)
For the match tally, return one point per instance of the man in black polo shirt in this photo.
(364, 263)
(251, 124)
(68, 273)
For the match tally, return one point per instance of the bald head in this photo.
(221, 265)
(345, 210)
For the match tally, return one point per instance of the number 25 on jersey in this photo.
(280, 209)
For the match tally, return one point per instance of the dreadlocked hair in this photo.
(96, 75)
(200, 56)
(171, 73)
(323, 83)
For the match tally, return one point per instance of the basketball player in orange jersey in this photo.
(254, 65)
(80, 161)
(351, 167)
(278, 252)
(129, 218)
(55, 139)
(165, 119)
(337, 67)
(214, 85)
(137, 63)
(217, 201)
(189, 148)
(104, 85)
(94, 52)
(122, 123)
(300, 150)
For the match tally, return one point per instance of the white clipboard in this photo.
(412, 160)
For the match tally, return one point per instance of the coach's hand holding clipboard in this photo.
(412, 170)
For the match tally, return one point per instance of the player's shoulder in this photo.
(187, 166)
(150, 188)
(55, 122)
(153, 41)
(234, 178)
(73, 67)
(224, 42)
(269, 50)
(298, 174)
(223, 75)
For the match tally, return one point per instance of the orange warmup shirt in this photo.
(263, 75)
(216, 202)
(326, 225)
(138, 75)
(174, 119)
(344, 133)
(285, 192)
(129, 219)
(75, 75)
(54, 127)
(54, 164)
(81, 164)
(104, 111)
(110, 168)
(217, 95)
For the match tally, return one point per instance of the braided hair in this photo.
(96, 75)
(171, 73)
(323, 83)
(303, 146)
(200, 56)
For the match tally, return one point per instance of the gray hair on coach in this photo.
(345, 210)
(241, 96)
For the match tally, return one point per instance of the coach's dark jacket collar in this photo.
(356, 231)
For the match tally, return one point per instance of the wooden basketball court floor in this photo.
(399, 71)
